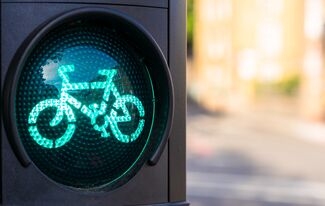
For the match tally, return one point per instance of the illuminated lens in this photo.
(85, 106)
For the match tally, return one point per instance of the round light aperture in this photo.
(85, 105)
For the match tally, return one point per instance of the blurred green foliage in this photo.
(287, 86)
(190, 22)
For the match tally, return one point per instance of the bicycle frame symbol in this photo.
(65, 101)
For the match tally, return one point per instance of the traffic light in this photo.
(93, 102)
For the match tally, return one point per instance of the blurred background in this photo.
(256, 102)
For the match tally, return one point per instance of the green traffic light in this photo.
(85, 106)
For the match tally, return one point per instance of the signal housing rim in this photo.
(19, 59)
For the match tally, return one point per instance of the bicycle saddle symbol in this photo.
(65, 101)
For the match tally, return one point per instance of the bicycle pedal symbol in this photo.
(65, 101)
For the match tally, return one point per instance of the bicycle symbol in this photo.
(65, 101)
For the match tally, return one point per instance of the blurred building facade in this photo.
(242, 47)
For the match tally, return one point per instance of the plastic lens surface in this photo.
(85, 105)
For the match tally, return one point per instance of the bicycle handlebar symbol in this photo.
(65, 101)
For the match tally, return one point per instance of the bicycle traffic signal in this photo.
(89, 103)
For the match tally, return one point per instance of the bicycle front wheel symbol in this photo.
(62, 109)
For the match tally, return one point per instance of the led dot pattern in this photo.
(84, 106)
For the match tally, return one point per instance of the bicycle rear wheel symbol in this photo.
(65, 101)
